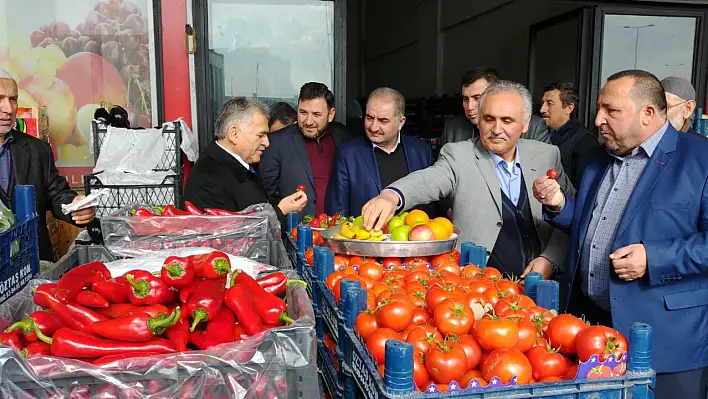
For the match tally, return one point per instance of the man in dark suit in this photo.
(303, 154)
(25, 160)
(639, 231)
(363, 166)
(224, 176)
(575, 142)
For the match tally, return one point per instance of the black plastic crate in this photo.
(171, 158)
(169, 192)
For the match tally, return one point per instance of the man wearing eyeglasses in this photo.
(681, 103)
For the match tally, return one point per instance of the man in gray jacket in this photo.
(464, 127)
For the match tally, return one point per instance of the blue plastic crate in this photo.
(328, 307)
(329, 374)
(18, 266)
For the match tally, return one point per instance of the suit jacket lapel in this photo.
(299, 144)
(20, 159)
(370, 161)
(486, 169)
(657, 165)
(529, 170)
(411, 158)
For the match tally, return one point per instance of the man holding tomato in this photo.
(487, 178)
(639, 231)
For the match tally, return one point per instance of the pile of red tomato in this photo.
(468, 323)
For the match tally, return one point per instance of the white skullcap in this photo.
(5, 74)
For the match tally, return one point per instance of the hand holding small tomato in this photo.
(548, 192)
(539, 265)
(293, 202)
(630, 262)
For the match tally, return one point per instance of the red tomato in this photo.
(348, 270)
(435, 295)
(333, 279)
(365, 324)
(551, 379)
(572, 372)
(563, 330)
(492, 273)
(452, 256)
(492, 296)
(511, 288)
(541, 317)
(417, 298)
(396, 315)
(423, 337)
(552, 173)
(338, 285)
(471, 375)
(446, 363)
(451, 267)
(506, 364)
(471, 271)
(386, 294)
(376, 344)
(310, 256)
(478, 287)
(340, 261)
(370, 300)
(360, 260)
(493, 333)
(420, 317)
(415, 285)
(420, 373)
(391, 263)
(472, 298)
(417, 275)
(453, 317)
(546, 362)
(472, 350)
(527, 335)
(378, 288)
(317, 238)
(371, 270)
(381, 369)
(415, 262)
(602, 341)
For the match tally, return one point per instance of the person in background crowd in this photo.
(25, 160)
(224, 176)
(681, 103)
(281, 115)
(486, 178)
(355, 120)
(639, 231)
(363, 166)
(560, 99)
(303, 154)
(464, 127)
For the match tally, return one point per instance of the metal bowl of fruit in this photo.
(349, 239)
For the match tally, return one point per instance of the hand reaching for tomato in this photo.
(630, 262)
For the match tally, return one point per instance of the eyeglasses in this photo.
(677, 104)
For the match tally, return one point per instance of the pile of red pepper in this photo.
(190, 210)
(93, 316)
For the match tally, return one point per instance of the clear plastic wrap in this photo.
(276, 364)
(241, 235)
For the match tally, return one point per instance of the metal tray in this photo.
(388, 248)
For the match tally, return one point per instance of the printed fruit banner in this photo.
(71, 56)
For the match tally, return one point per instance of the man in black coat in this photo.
(25, 160)
(224, 177)
(573, 140)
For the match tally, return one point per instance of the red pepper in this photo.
(79, 278)
(40, 293)
(91, 299)
(206, 301)
(220, 329)
(219, 212)
(114, 358)
(47, 321)
(179, 334)
(212, 265)
(170, 210)
(136, 327)
(69, 343)
(36, 348)
(115, 290)
(72, 314)
(117, 310)
(147, 289)
(270, 308)
(274, 283)
(186, 292)
(198, 339)
(143, 212)
(241, 304)
(13, 339)
(191, 209)
(177, 272)
(239, 332)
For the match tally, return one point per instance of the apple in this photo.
(395, 222)
(56, 95)
(358, 221)
(400, 233)
(83, 121)
(403, 215)
(422, 232)
(93, 79)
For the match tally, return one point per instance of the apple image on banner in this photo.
(93, 79)
(56, 95)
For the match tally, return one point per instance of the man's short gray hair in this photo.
(237, 111)
(399, 102)
(504, 86)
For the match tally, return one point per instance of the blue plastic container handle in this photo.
(304, 238)
(640, 342)
(24, 203)
(328, 263)
(319, 263)
(465, 250)
(293, 218)
(530, 284)
(547, 292)
(398, 371)
(483, 257)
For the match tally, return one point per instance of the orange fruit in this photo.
(416, 216)
(439, 230)
(447, 223)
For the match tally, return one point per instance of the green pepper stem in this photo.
(41, 336)
(233, 276)
(26, 324)
(140, 288)
(298, 282)
(160, 323)
(175, 271)
(222, 266)
(198, 315)
(286, 319)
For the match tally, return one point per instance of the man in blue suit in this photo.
(363, 166)
(639, 231)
